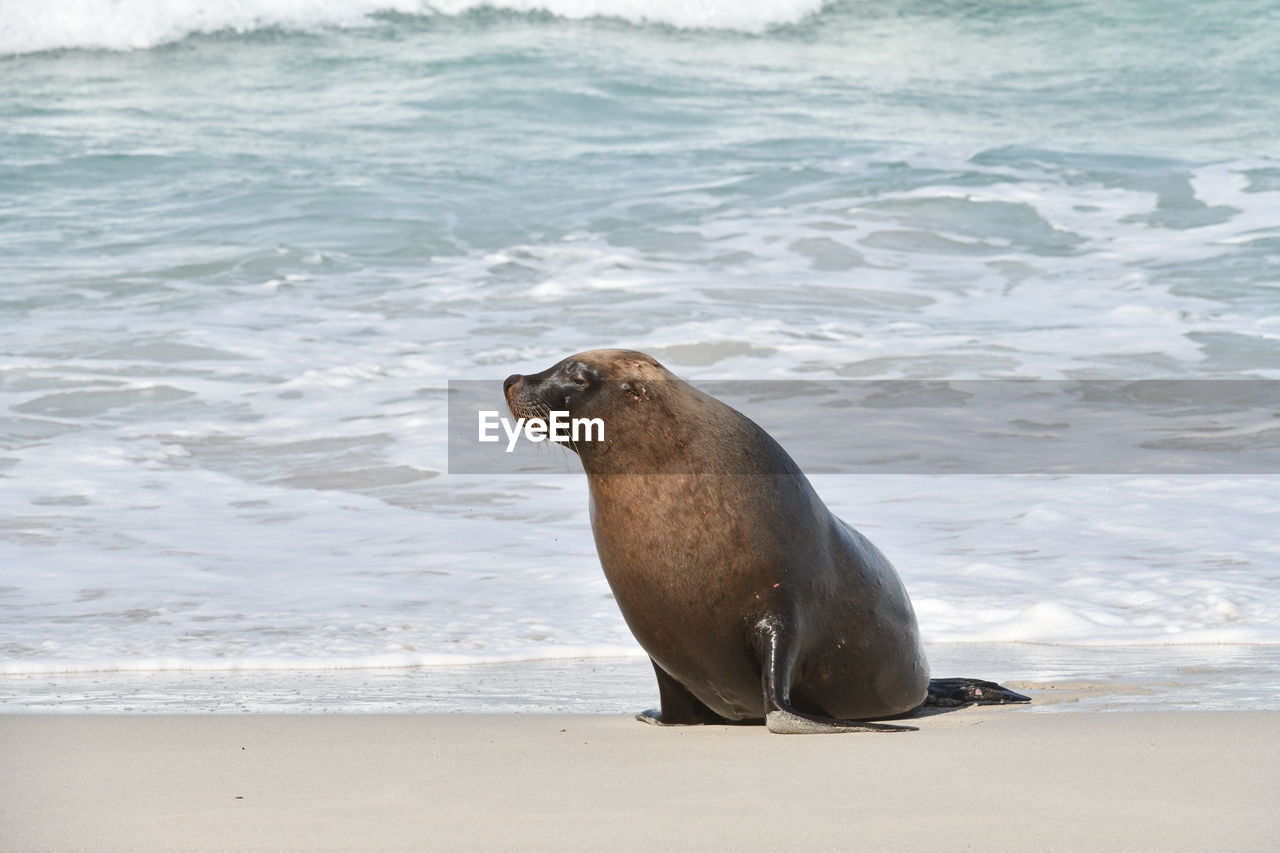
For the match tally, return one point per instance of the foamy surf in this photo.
(142, 24)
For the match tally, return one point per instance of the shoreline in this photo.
(994, 778)
(1221, 678)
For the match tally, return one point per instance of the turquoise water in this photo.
(400, 140)
(244, 247)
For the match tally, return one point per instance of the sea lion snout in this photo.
(514, 389)
(562, 387)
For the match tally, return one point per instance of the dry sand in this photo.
(976, 779)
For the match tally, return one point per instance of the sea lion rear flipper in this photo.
(679, 706)
(775, 670)
(950, 692)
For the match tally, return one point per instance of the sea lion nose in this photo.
(513, 379)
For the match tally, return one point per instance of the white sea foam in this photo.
(138, 24)
(131, 562)
(742, 15)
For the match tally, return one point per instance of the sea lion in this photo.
(752, 600)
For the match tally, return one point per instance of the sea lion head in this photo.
(653, 422)
(634, 396)
(587, 385)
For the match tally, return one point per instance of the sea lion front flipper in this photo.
(653, 717)
(952, 692)
(775, 672)
(679, 706)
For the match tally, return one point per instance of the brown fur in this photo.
(716, 545)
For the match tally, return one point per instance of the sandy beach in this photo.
(983, 779)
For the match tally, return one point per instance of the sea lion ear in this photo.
(635, 391)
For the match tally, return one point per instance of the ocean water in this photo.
(245, 247)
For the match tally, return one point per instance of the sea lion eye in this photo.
(579, 380)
